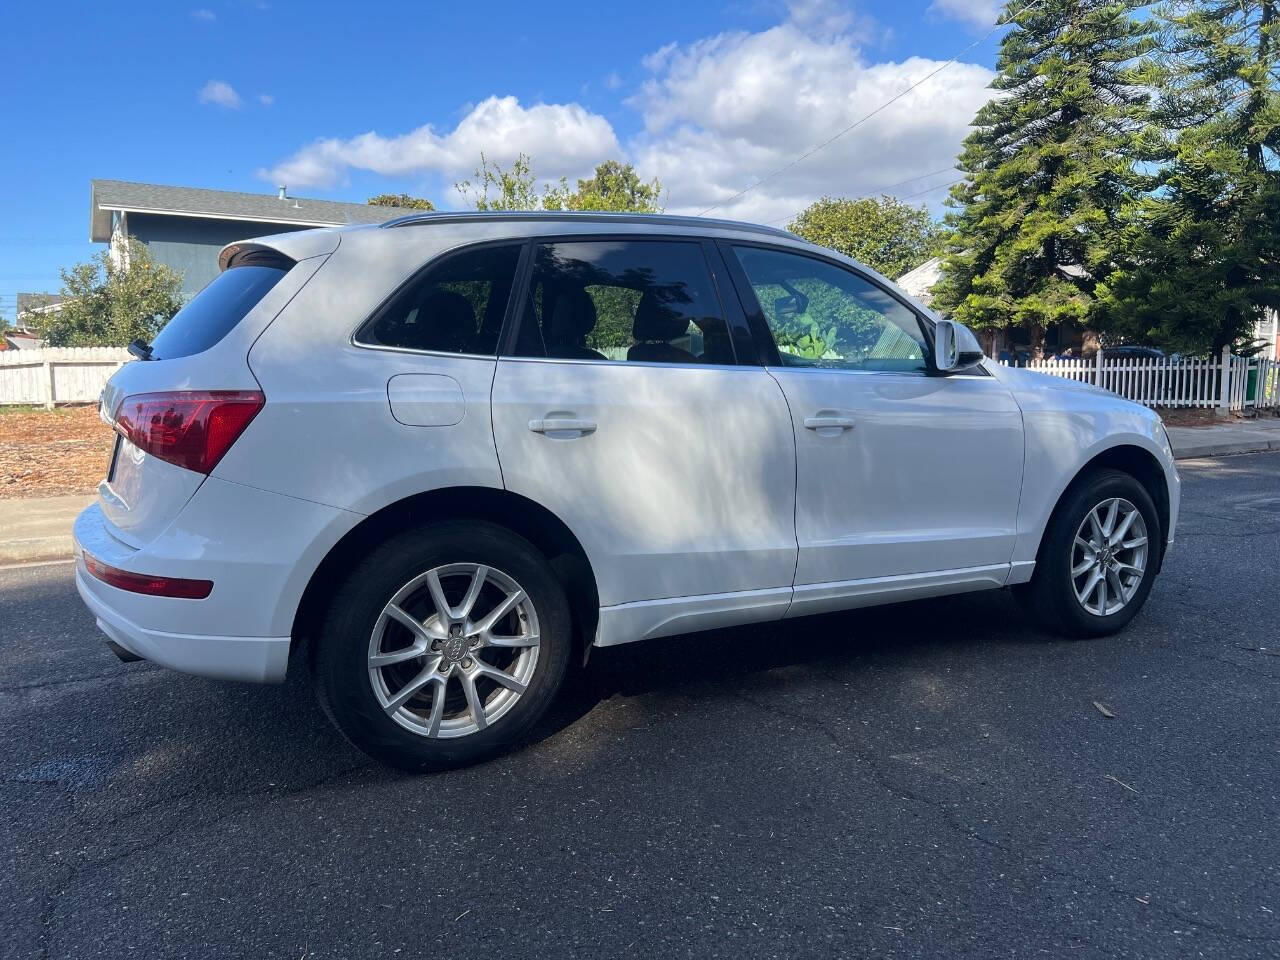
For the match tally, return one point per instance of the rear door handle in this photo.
(563, 429)
(828, 426)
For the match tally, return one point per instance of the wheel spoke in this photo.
(1113, 580)
(1098, 535)
(500, 676)
(489, 640)
(477, 582)
(402, 616)
(1082, 567)
(1129, 568)
(473, 700)
(381, 660)
(1134, 543)
(1084, 544)
(437, 596)
(1125, 524)
(1087, 590)
(1102, 594)
(427, 675)
(1109, 524)
(437, 710)
(497, 613)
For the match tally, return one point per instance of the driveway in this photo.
(931, 779)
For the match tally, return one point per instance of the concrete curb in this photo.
(1197, 451)
(34, 549)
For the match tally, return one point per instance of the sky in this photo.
(342, 101)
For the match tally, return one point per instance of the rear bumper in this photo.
(256, 659)
(258, 548)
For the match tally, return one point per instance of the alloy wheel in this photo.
(453, 650)
(1109, 556)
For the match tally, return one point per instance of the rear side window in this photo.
(648, 301)
(456, 305)
(214, 312)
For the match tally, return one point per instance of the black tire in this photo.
(340, 665)
(1050, 596)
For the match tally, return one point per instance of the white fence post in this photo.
(46, 368)
(1224, 381)
(1097, 368)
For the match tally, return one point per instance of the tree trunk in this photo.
(1036, 334)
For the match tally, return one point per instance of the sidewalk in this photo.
(40, 528)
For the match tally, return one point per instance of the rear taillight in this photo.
(190, 428)
(146, 583)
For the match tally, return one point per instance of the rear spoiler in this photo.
(292, 247)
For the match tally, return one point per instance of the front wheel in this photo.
(444, 646)
(1098, 559)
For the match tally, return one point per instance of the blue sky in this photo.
(346, 100)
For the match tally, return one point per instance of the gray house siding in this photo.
(190, 245)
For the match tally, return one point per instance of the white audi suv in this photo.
(433, 462)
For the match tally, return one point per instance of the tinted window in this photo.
(213, 312)
(456, 305)
(643, 300)
(822, 315)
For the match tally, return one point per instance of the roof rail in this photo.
(545, 216)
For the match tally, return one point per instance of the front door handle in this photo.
(828, 426)
(563, 429)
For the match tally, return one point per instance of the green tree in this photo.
(1036, 225)
(885, 234)
(110, 305)
(615, 186)
(1206, 239)
(402, 200)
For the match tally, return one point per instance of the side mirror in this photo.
(955, 348)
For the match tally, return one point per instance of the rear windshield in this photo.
(214, 311)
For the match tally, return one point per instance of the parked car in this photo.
(435, 461)
(1132, 351)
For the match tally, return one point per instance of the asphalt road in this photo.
(926, 780)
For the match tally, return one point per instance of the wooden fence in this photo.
(1248, 383)
(52, 375)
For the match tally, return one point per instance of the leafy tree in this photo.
(401, 200)
(615, 186)
(885, 234)
(1206, 239)
(1036, 224)
(109, 304)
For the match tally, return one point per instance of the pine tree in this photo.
(1206, 240)
(1048, 167)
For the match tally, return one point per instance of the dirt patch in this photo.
(49, 453)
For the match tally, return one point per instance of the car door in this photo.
(620, 406)
(904, 479)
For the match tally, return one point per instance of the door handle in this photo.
(828, 426)
(563, 429)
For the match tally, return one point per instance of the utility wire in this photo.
(861, 120)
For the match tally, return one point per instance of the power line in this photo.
(882, 190)
(861, 120)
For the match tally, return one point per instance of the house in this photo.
(185, 227)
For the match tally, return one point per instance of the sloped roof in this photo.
(921, 281)
(108, 195)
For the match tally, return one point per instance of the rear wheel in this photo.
(444, 646)
(1098, 558)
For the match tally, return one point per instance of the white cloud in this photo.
(613, 81)
(221, 93)
(726, 111)
(203, 15)
(718, 114)
(980, 13)
(266, 99)
(561, 138)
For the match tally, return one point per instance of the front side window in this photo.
(822, 315)
(456, 305)
(625, 300)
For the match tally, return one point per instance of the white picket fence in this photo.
(53, 375)
(1249, 383)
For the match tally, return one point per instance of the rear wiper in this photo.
(140, 349)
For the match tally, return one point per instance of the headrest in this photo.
(657, 322)
(446, 322)
(572, 317)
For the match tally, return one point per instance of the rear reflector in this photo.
(145, 583)
(189, 428)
